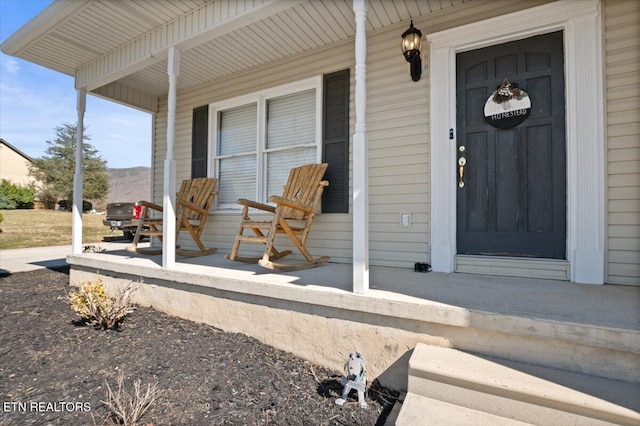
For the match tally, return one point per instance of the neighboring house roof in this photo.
(16, 150)
(119, 50)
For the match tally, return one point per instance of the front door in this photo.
(511, 196)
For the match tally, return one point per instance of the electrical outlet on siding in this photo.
(405, 219)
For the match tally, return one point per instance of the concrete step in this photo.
(523, 392)
(395, 411)
(420, 410)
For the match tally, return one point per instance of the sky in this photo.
(35, 100)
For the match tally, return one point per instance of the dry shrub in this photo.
(128, 408)
(91, 302)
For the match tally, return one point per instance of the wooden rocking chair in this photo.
(193, 201)
(293, 215)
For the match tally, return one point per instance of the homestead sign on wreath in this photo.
(507, 107)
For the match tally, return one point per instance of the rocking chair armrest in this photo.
(291, 203)
(150, 205)
(256, 205)
(191, 206)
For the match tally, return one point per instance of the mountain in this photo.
(131, 184)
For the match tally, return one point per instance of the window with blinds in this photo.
(260, 137)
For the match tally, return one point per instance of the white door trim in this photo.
(581, 22)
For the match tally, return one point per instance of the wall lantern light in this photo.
(411, 42)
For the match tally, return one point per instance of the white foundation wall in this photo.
(324, 326)
(322, 340)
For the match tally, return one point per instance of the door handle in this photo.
(461, 163)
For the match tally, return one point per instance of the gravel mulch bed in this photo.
(53, 369)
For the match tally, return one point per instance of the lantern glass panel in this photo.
(411, 42)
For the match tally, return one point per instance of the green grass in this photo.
(42, 228)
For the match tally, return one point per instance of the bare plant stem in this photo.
(129, 408)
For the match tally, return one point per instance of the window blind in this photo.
(291, 122)
(279, 164)
(237, 130)
(237, 154)
(237, 179)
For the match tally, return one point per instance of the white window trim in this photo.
(260, 98)
(581, 22)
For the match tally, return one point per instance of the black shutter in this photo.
(199, 138)
(335, 142)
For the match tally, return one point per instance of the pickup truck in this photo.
(124, 217)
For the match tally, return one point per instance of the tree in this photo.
(55, 170)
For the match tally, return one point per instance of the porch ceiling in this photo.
(72, 36)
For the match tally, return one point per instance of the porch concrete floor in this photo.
(584, 304)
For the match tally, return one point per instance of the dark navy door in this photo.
(512, 199)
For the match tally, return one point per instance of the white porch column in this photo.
(360, 158)
(169, 191)
(586, 158)
(76, 221)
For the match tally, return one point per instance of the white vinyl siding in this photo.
(398, 135)
(622, 74)
(331, 233)
(397, 131)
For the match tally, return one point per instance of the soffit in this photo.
(98, 27)
(304, 27)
